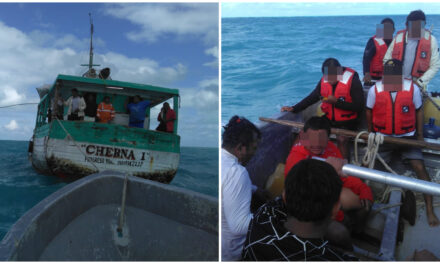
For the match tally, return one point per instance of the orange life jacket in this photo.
(342, 91)
(376, 64)
(394, 118)
(423, 53)
(105, 112)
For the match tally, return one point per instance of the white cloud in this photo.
(12, 125)
(205, 99)
(28, 61)
(157, 20)
(10, 96)
(213, 52)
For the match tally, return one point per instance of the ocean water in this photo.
(271, 62)
(21, 187)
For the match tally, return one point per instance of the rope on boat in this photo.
(6, 106)
(74, 142)
(370, 156)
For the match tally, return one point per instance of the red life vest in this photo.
(342, 91)
(376, 64)
(394, 118)
(423, 53)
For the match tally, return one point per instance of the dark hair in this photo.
(317, 123)
(239, 130)
(387, 20)
(416, 15)
(106, 97)
(312, 188)
(393, 67)
(74, 90)
(330, 62)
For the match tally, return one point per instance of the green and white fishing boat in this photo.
(79, 148)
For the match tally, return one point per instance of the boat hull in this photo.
(79, 222)
(64, 156)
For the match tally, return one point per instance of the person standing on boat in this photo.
(105, 112)
(342, 98)
(417, 48)
(394, 108)
(356, 197)
(375, 51)
(90, 111)
(76, 106)
(293, 227)
(240, 140)
(137, 111)
(166, 118)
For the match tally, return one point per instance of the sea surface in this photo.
(21, 187)
(268, 63)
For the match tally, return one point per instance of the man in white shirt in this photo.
(239, 143)
(417, 48)
(394, 108)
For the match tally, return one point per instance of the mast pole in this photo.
(91, 43)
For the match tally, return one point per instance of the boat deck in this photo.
(93, 236)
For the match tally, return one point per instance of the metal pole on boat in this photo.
(393, 179)
(404, 182)
(121, 215)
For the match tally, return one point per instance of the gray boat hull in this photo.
(78, 222)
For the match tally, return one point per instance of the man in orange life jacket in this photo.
(342, 99)
(394, 108)
(417, 48)
(356, 197)
(105, 111)
(375, 51)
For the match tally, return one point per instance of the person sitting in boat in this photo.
(375, 51)
(421, 59)
(356, 197)
(76, 106)
(394, 108)
(293, 226)
(105, 112)
(342, 98)
(137, 111)
(90, 111)
(166, 118)
(240, 140)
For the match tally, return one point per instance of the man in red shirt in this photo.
(356, 196)
(166, 118)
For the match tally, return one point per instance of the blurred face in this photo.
(314, 141)
(415, 29)
(245, 153)
(392, 83)
(74, 93)
(332, 74)
(385, 30)
(136, 99)
(166, 106)
(107, 100)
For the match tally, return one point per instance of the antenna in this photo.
(91, 72)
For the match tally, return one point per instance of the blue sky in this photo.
(261, 9)
(169, 45)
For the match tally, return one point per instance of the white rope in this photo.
(70, 136)
(370, 156)
(6, 106)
